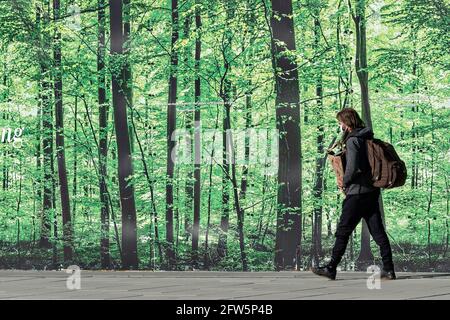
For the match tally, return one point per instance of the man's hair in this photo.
(350, 118)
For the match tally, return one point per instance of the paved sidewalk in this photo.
(194, 285)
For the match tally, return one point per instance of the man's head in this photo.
(349, 119)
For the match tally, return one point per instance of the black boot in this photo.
(328, 271)
(388, 274)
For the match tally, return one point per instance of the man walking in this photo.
(361, 197)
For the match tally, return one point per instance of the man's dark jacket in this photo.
(357, 175)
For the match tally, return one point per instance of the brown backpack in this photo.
(388, 170)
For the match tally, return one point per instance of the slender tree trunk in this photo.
(224, 220)
(320, 163)
(288, 230)
(206, 257)
(154, 213)
(365, 256)
(447, 192)
(414, 133)
(86, 190)
(263, 205)
(127, 73)
(197, 137)
(225, 94)
(61, 154)
(177, 211)
(75, 162)
(248, 124)
(430, 198)
(227, 90)
(268, 223)
(125, 165)
(19, 201)
(47, 148)
(171, 126)
(251, 21)
(361, 59)
(105, 258)
(239, 211)
(189, 119)
(38, 184)
(55, 212)
(229, 155)
(5, 116)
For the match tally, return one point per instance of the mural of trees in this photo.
(186, 135)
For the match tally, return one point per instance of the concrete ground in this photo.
(201, 285)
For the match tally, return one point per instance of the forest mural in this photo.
(192, 134)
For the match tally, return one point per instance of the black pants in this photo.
(354, 208)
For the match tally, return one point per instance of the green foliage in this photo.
(408, 76)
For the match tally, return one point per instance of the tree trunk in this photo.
(47, 147)
(61, 154)
(105, 258)
(189, 119)
(365, 256)
(38, 183)
(197, 136)
(227, 146)
(224, 220)
(177, 211)
(171, 126)
(320, 160)
(288, 230)
(414, 133)
(55, 212)
(206, 257)
(127, 73)
(430, 198)
(251, 20)
(229, 153)
(19, 201)
(239, 211)
(75, 162)
(154, 214)
(263, 195)
(447, 192)
(125, 165)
